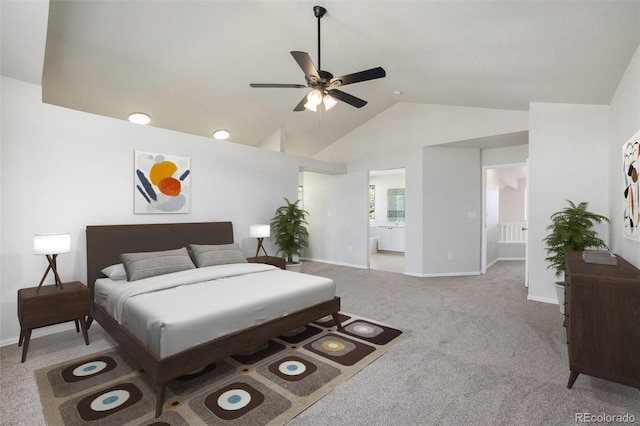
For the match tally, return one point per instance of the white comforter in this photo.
(173, 312)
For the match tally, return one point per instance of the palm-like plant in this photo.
(571, 229)
(289, 225)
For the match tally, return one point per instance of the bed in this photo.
(164, 362)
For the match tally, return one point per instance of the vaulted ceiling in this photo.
(188, 64)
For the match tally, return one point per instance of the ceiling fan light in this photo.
(311, 107)
(329, 102)
(314, 97)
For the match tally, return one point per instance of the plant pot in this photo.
(560, 294)
(294, 267)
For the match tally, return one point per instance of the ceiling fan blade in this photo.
(357, 77)
(292, 86)
(304, 61)
(345, 97)
(300, 106)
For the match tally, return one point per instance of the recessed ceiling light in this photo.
(221, 134)
(139, 118)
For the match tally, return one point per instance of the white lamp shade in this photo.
(260, 231)
(51, 243)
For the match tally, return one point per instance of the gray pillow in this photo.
(153, 263)
(220, 254)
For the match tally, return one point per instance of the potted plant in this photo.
(571, 229)
(289, 225)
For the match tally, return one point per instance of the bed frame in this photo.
(104, 246)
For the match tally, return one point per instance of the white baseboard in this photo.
(542, 299)
(53, 329)
(446, 274)
(330, 262)
(39, 332)
(510, 258)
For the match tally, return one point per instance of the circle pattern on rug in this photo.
(108, 401)
(292, 368)
(87, 369)
(364, 329)
(371, 332)
(234, 400)
(333, 345)
(339, 349)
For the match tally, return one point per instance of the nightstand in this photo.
(280, 262)
(49, 305)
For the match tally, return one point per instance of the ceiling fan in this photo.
(323, 84)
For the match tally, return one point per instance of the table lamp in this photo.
(260, 231)
(51, 245)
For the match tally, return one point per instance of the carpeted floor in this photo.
(479, 354)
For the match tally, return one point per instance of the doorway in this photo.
(387, 220)
(504, 232)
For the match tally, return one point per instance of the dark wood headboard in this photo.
(106, 243)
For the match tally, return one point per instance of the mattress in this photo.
(174, 312)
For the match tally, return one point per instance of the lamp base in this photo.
(260, 246)
(52, 267)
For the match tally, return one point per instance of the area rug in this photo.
(269, 384)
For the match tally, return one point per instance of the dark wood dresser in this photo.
(602, 319)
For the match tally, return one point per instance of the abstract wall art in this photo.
(631, 187)
(162, 183)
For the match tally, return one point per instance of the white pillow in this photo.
(115, 272)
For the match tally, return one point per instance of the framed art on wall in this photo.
(631, 187)
(162, 183)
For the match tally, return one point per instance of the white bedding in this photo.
(173, 312)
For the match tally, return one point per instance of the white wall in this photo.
(568, 150)
(63, 170)
(452, 211)
(624, 119)
(516, 154)
(395, 139)
(338, 228)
